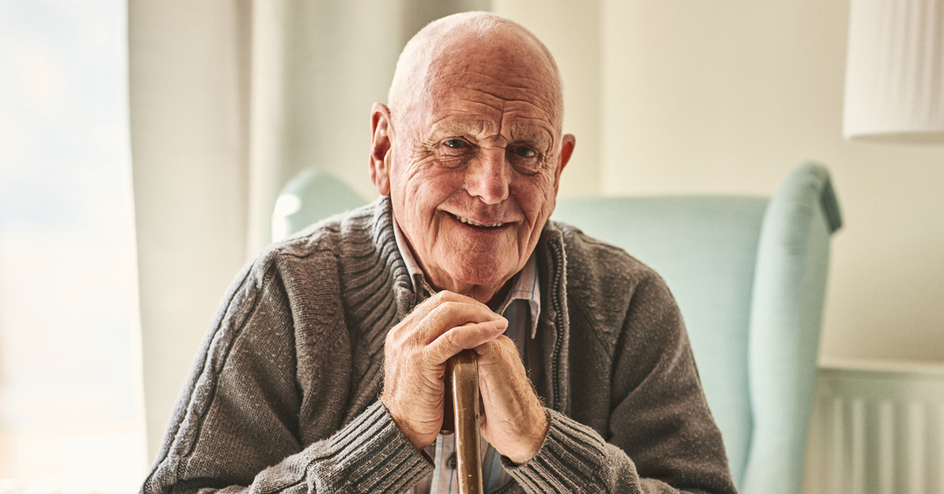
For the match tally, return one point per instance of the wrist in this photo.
(535, 439)
(412, 436)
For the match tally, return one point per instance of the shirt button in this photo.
(451, 461)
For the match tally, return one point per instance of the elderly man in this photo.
(324, 369)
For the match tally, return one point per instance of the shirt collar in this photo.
(524, 285)
(422, 289)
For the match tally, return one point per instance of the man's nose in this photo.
(489, 176)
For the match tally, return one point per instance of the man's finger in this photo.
(439, 314)
(467, 336)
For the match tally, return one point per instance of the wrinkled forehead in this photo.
(506, 62)
(498, 63)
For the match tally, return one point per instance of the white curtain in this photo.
(229, 99)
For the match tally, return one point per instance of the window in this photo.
(70, 403)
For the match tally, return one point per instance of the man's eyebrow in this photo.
(456, 127)
(531, 134)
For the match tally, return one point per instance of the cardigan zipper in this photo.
(555, 299)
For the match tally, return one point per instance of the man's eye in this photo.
(524, 152)
(455, 143)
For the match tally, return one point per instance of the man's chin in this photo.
(479, 276)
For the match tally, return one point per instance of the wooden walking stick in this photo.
(464, 376)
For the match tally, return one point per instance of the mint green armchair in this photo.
(749, 274)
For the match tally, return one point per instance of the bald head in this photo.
(447, 47)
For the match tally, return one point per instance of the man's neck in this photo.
(495, 302)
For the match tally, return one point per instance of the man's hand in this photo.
(513, 420)
(416, 351)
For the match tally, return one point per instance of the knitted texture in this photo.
(283, 395)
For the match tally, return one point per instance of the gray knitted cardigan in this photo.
(283, 395)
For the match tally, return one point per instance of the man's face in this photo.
(473, 168)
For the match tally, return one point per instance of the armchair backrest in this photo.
(309, 197)
(749, 275)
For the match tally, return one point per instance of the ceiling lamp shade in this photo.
(895, 71)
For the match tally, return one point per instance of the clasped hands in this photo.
(513, 420)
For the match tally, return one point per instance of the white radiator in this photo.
(877, 427)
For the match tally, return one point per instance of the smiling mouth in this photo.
(475, 223)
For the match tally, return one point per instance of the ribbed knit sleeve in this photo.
(369, 455)
(575, 458)
(572, 459)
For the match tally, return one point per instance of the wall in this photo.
(728, 97)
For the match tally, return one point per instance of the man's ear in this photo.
(380, 145)
(567, 149)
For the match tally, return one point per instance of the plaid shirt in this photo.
(521, 307)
